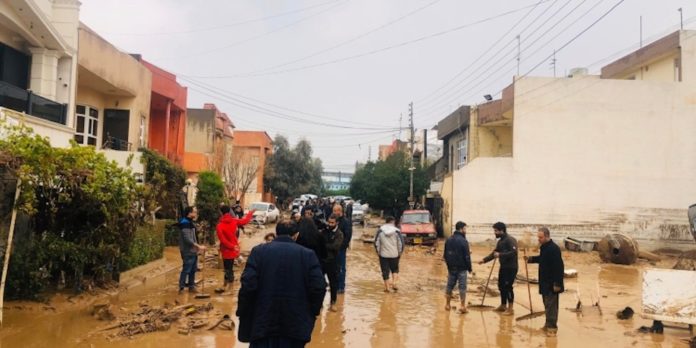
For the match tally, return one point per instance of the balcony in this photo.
(18, 99)
(498, 112)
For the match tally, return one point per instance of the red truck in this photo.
(417, 227)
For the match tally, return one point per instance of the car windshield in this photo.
(259, 206)
(418, 218)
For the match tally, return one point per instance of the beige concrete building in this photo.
(38, 65)
(584, 155)
(113, 100)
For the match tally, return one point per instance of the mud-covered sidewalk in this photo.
(367, 317)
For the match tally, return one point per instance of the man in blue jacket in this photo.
(189, 249)
(282, 290)
(550, 277)
(458, 259)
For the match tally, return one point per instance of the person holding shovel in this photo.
(550, 277)
(458, 259)
(506, 251)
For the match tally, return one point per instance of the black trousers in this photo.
(506, 279)
(229, 272)
(551, 307)
(330, 270)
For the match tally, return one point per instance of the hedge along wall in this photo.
(147, 245)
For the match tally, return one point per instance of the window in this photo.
(462, 150)
(86, 125)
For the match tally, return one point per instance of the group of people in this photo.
(457, 256)
(286, 277)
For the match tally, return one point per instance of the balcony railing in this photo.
(18, 99)
(117, 144)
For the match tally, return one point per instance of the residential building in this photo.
(336, 181)
(208, 141)
(584, 155)
(386, 150)
(167, 128)
(38, 66)
(112, 100)
(251, 150)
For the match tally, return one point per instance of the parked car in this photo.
(358, 214)
(265, 212)
(298, 203)
(417, 227)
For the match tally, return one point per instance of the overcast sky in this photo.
(341, 72)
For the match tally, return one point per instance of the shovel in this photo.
(485, 291)
(531, 314)
(202, 294)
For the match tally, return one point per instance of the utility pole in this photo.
(553, 63)
(369, 153)
(641, 31)
(401, 116)
(681, 19)
(518, 55)
(411, 200)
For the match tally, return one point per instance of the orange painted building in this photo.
(254, 146)
(167, 114)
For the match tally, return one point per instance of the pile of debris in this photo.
(687, 261)
(157, 318)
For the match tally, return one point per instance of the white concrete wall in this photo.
(122, 158)
(589, 156)
(58, 135)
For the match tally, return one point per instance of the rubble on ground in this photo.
(160, 318)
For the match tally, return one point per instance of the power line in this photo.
(343, 43)
(237, 43)
(423, 101)
(230, 25)
(485, 75)
(375, 51)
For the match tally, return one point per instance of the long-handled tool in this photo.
(202, 294)
(485, 291)
(531, 314)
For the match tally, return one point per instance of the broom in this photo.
(531, 314)
(485, 291)
(202, 294)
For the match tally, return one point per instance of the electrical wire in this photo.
(230, 25)
(375, 51)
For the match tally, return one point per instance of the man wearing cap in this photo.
(458, 258)
(281, 293)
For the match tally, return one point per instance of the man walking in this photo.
(550, 277)
(189, 249)
(458, 259)
(389, 244)
(310, 237)
(333, 237)
(227, 233)
(506, 251)
(281, 294)
(346, 226)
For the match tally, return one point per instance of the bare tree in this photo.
(239, 173)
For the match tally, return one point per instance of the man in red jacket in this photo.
(229, 244)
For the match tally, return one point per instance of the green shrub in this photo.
(171, 233)
(147, 246)
(211, 192)
(163, 181)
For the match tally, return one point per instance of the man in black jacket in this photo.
(458, 259)
(282, 290)
(346, 226)
(310, 237)
(506, 251)
(550, 277)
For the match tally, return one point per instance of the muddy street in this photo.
(367, 317)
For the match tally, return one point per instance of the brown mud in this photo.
(367, 317)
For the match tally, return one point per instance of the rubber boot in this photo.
(448, 299)
(501, 308)
(509, 310)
